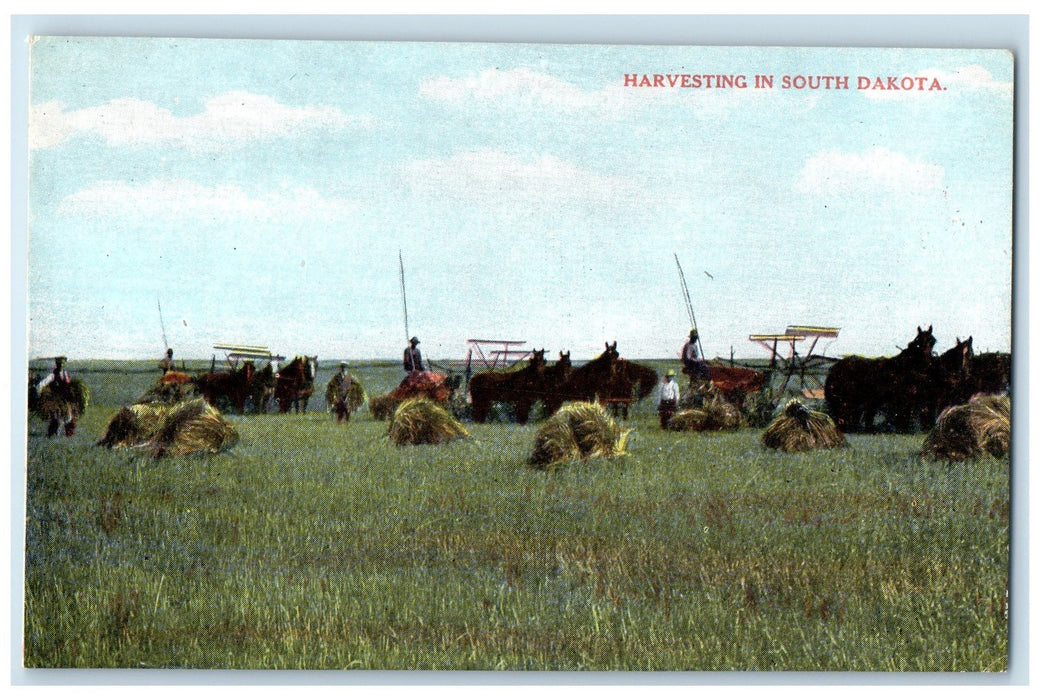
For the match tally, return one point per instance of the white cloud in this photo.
(184, 199)
(227, 121)
(879, 169)
(489, 175)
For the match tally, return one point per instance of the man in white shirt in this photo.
(669, 398)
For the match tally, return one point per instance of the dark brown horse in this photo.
(261, 389)
(990, 373)
(583, 383)
(295, 384)
(607, 379)
(951, 381)
(858, 389)
(520, 387)
(231, 387)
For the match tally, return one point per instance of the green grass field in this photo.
(312, 545)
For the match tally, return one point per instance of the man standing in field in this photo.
(412, 357)
(59, 402)
(669, 398)
(341, 384)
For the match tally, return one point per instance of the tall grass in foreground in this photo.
(323, 546)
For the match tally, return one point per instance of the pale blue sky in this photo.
(262, 189)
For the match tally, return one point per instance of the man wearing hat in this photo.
(62, 413)
(412, 357)
(166, 364)
(342, 382)
(693, 365)
(669, 398)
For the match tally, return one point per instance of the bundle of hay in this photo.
(69, 400)
(579, 430)
(716, 413)
(356, 396)
(423, 422)
(799, 429)
(132, 426)
(383, 406)
(981, 426)
(173, 430)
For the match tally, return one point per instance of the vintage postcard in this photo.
(457, 356)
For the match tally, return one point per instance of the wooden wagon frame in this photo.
(235, 353)
(808, 368)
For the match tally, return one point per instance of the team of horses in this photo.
(608, 379)
(290, 388)
(906, 392)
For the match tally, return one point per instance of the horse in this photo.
(231, 386)
(560, 370)
(520, 387)
(583, 383)
(295, 384)
(629, 382)
(952, 383)
(990, 373)
(261, 389)
(607, 379)
(858, 388)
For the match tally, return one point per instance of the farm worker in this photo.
(342, 381)
(669, 398)
(60, 384)
(166, 364)
(694, 365)
(412, 357)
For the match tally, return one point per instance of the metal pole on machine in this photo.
(404, 303)
(689, 305)
(404, 298)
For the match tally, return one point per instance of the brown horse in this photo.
(859, 388)
(607, 379)
(951, 381)
(583, 383)
(295, 384)
(261, 389)
(232, 387)
(990, 373)
(520, 387)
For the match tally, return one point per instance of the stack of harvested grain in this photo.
(68, 400)
(132, 426)
(799, 429)
(182, 428)
(356, 396)
(715, 413)
(383, 406)
(579, 430)
(423, 422)
(981, 426)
